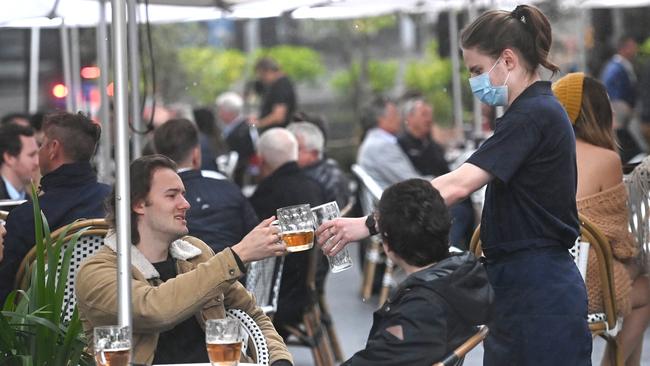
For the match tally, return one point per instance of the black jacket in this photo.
(219, 214)
(288, 186)
(69, 193)
(427, 156)
(240, 140)
(437, 308)
(334, 183)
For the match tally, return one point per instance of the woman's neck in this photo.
(516, 88)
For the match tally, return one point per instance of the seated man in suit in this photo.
(219, 214)
(436, 308)
(18, 161)
(177, 280)
(69, 188)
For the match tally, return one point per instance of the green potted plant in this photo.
(32, 326)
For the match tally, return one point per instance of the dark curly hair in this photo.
(414, 222)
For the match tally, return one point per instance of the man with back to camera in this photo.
(69, 188)
(219, 214)
(284, 184)
(438, 306)
(18, 160)
(311, 158)
(177, 280)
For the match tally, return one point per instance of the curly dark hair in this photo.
(414, 222)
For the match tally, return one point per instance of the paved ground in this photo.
(353, 317)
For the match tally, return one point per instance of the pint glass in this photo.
(297, 227)
(328, 211)
(112, 345)
(223, 338)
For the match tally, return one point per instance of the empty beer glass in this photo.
(223, 338)
(341, 260)
(297, 227)
(112, 345)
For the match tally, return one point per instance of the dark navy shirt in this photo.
(531, 202)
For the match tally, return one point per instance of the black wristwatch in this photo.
(371, 225)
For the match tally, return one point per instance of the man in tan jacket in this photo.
(178, 283)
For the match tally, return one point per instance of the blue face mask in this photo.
(483, 89)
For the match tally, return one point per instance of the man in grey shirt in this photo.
(380, 155)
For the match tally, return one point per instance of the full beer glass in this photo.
(223, 338)
(297, 227)
(112, 345)
(326, 212)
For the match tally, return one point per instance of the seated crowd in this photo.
(194, 233)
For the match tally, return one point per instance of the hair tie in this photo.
(517, 14)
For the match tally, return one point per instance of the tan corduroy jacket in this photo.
(205, 286)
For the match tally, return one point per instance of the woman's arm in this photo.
(460, 183)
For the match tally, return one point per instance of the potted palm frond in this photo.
(32, 326)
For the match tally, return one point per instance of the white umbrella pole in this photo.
(105, 174)
(476, 104)
(134, 75)
(67, 77)
(75, 68)
(455, 74)
(122, 189)
(34, 57)
(580, 34)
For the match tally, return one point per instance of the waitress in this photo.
(529, 218)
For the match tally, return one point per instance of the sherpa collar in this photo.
(179, 249)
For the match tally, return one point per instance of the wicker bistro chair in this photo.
(263, 281)
(89, 242)
(606, 324)
(369, 194)
(254, 344)
(458, 355)
(311, 332)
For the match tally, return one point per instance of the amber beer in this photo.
(224, 354)
(113, 357)
(298, 240)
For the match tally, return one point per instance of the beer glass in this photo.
(112, 345)
(223, 338)
(297, 227)
(341, 260)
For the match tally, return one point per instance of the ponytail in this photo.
(525, 29)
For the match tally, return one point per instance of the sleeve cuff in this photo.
(282, 363)
(240, 264)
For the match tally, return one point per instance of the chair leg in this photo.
(616, 348)
(326, 319)
(315, 351)
(372, 258)
(386, 282)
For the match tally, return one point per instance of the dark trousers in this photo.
(540, 311)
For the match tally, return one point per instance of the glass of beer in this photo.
(223, 338)
(329, 211)
(112, 345)
(297, 227)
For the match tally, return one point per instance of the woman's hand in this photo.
(335, 234)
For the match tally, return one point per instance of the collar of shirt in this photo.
(12, 192)
(384, 135)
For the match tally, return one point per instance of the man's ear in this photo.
(56, 149)
(138, 207)
(196, 157)
(8, 159)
